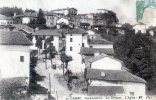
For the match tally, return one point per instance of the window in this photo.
(21, 58)
(71, 39)
(132, 93)
(82, 44)
(71, 48)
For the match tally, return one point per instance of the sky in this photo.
(125, 9)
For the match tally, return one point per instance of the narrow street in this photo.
(57, 90)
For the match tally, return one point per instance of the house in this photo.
(51, 19)
(44, 34)
(114, 82)
(140, 27)
(26, 18)
(107, 75)
(24, 28)
(15, 55)
(75, 39)
(87, 51)
(4, 20)
(86, 19)
(66, 11)
(107, 62)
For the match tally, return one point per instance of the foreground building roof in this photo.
(90, 51)
(14, 38)
(113, 75)
(12, 83)
(24, 28)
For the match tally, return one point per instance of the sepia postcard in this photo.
(77, 49)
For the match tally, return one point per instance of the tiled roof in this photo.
(97, 57)
(24, 28)
(100, 41)
(13, 38)
(113, 75)
(87, 50)
(12, 83)
(105, 90)
(3, 17)
(48, 32)
(76, 31)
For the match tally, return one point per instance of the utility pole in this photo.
(49, 83)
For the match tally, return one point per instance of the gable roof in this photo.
(24, 28)
(97, 58)
(76, 31)
(3, 17)
(14, 38)
(93, 59)
(89, 51)
(99, 41)
(48, 32)
(113, 75)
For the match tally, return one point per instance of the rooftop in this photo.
(12, 83)
(89, 51)
(48, 32)
(24, 28)
(113, 75)
(99, 41)
(14, 38)
(76, 31)
(3, 17)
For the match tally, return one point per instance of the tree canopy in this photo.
(9, 11)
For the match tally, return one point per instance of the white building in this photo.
(75, 39)
(107, 76)
(140, 27)
(4, 20)
(107, 62)
(114, 82)
(15, 55)
(44, 34)
(51, 19)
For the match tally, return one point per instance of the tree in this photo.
(41, 21)
(51, 51)
(134, 50)
(9, 11)
(29, 11)
(34, 87)
(65, 59)
(39, 44)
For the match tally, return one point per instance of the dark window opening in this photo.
(71, 40)
(71, 48)
(21, 58)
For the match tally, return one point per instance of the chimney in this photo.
(15, 14)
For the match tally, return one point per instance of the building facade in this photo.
(15, 55)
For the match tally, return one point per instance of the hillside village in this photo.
(58, 53)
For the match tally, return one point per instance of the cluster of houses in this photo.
(92, 55)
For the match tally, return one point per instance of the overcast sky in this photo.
(125, 9)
